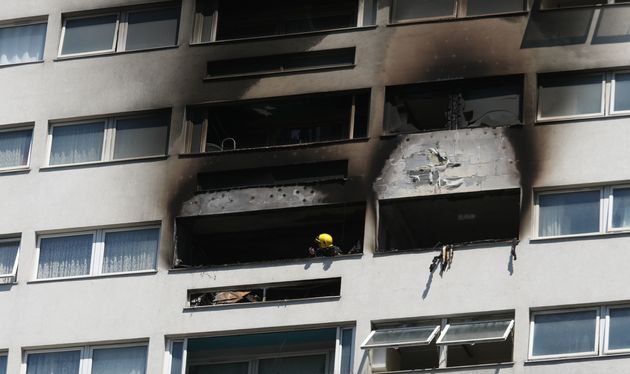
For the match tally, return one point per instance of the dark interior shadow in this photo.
(557, 27)
(613, 25)
(510, 265)
(427, 286)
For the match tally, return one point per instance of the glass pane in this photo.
(3, 364)
(547, 4)
(612, 25)
(77, 143)
(479, 7)
(65, 256)
(89, 34)
(127, 360)
(8, 253)
(22, 43)
(53, 362)
(303, 365)
(621, 207)
(130, 250)
(346, 351)
(140, 137)
(622, 92)
(570, 96)
(177, 354)
(619, 329)
(231, 368)
(14, 148)
(568, 213)
(559, 333)
(153, 28)
(475, 331)
(406, 336)
(410, 9)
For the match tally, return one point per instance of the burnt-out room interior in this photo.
(280, 121)
(267, 235)
(426, 222)
(451, 105)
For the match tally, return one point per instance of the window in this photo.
(552, 4)
(582, 212)
(405, 10)
(217, 20)
(454, 105)
(303, 351)
(118, 31)
(578, 332)
(9, 250)
(15, 148)
(106, 139)
(22, 43)
(126, 358)
(3, 363)
(104, 251)
(464, 341)
(579, 95)
(278, 122)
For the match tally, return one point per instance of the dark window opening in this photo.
(273, 176)
(270, 235)
(487, 102)
(280, 121)
(422, 223)
(479, 354)
(272, 292)
(282, 63)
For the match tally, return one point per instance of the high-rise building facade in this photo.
(165, 169)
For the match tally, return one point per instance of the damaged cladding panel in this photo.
(451, 105)
(422, 223)
(268, 235)
(308, 289)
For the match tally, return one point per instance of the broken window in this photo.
(300, 351)
(274, 176)
(454, 105)
(266, 235)
(290, 62)
(279, 121)
(425, 222)
(465, 341)
(236, 19)
(266, 293)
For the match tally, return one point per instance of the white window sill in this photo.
(103, 163)
(99, 276)
(595, 235)
(20, 63)
(543, 361)
(111, 53)
(451, 18)
(455, 369)
(261, 303)
(210, 78)
(21, 169)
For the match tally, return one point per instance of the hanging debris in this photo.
(443, 260)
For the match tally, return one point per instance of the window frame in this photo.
(394, 8)
(506, 334)
(603, 100)
(613, 92)
(427, 341)
(596, 336)
(111, 151)
(606, 332)
(460, 11)
(50, 138)
(27, 22)
(610, 207)
(10, 128)
(62, 38)
(97, 252)
(11, 277)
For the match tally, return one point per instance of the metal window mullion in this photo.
(85, 364)
(203, 133)
(353, 110)
(338, 349)
(215, 20)
(604, 325)
(608, 103)
(184, 356)
(109, 139)
(360, 13)
(443, 349)
(461, 8)
(120, 34)
(15, 263)
(97, 252)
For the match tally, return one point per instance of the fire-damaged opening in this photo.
(279, 121)
(307, 289)
(452, 105)
(274, 176)
(267, 235)
(422, 223)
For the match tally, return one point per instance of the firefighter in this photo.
(325, 247)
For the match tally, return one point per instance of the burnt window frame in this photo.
(203, 133)
(460, 11)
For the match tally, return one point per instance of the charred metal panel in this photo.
(447, 162)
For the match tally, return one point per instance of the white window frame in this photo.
(603, 106)
(610, 206)
(85, 360)
(508, 330)
(596, 336)
(5, 129)
(98, 250)
(613, 92)
(10, 277)
(49, 141)
(28, 22)
(606, 350)
(427, 341)
(119, 42)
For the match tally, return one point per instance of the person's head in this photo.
(324, 240)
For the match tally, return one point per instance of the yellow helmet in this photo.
(324, 240)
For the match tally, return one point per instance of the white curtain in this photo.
(77, 143)
(130, 250)
(22, 43)
(568, 213)
(54, 363)
(128, 360)
(64, 256)
(8, 252)
(621, 207)
(14, 148)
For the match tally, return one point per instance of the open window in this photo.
(278, 121)
(425, 222)
(269, 235)
(9, 254)
(451, 105)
